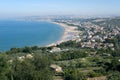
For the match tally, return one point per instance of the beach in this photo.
(70, 33)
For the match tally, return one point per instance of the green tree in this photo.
(42, 67)
(114, 76)
(22, 70)
(36, 68)
(4, 69)
(27, 50)
(73, 75)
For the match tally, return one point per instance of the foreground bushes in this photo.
(36, 68)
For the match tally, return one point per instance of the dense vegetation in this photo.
(36, 68)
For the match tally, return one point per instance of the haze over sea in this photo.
(28, 33)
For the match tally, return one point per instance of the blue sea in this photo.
(17, 34)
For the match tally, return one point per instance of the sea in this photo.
(21, 33)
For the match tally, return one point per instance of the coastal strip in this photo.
(70, 33)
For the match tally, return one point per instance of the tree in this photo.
(42, 67)
(21, 70)
(36, 68)
(114, 76)
(113, 66)
(4, 69)
(27, 50)
(73, 75)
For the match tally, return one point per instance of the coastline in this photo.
(70, 33)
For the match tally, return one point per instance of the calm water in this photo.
(28, 33)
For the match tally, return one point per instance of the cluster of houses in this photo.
(21, 58)
(92, 35)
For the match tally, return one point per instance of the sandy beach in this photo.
(70, 33)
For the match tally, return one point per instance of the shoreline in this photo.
(70, 33)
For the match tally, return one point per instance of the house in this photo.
(29, 56)
(55, 49)
(57, 68)
(21, 58)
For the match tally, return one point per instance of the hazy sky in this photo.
(58, 7)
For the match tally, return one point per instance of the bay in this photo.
(28, 33)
